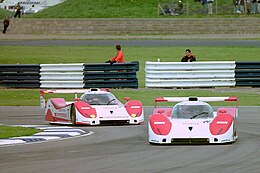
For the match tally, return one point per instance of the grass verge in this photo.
(31, 97)
(11, 131)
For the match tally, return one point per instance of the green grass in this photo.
(31, 97)
(4, 13)
(94, 54)
(97, 54)
(100, 9)
(80, 54)
(11, 131)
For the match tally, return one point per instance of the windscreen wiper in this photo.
(194, 116)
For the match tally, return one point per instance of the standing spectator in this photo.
(6, 24)
(179, 9)
(248, 6)
(258, 6)
(210, 6)
(119, 58)
(188, 57)
(241, 6)
(203, 3)
(18, 9)
(253, 6)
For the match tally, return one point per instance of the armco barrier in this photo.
(189, 74)
(61, 75)
(96, 75)
(118, 75)
(19, 75)
(158, 74)
(247, 74)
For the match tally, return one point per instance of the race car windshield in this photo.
(192, 111)
(100, 99)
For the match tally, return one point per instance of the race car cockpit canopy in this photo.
(99, 99)
(186, 110)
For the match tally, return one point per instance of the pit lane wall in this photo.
(76, 75)
(123, 75)
(202, 74)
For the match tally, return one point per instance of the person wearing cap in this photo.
(119, 58)
(188, 57)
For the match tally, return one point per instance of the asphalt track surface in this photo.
(138, 42)
(116, 149)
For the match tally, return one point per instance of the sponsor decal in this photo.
(61, 115)
(190, 123)
(109, 107)
(225, 140)
(85, 108)
(222, 122)
(62, 111)
(190, 128)
(157, 122)
(30, 2)
(111, 112)
(135, 107)
(154, 140)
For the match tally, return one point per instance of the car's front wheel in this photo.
(73, 115)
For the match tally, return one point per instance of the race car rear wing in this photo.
(65, 91)
(205, 99)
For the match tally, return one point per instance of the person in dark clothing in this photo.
(188, 57)
(18, 9)
(6, 24)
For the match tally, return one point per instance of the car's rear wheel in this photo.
(73, 115)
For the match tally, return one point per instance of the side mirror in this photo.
(77, 99)
(222, 111)
(126, 98)
(161, 111)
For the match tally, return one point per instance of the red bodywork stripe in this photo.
(134, 103)
(221, 123)
(85, 109)
(160, 124)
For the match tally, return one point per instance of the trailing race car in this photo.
(94, 107)
(193, 121)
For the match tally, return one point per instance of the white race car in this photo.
(94, 107)
(193, 121)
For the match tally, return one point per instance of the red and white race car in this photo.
(193, 121)
(94, 107)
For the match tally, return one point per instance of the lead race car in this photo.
(94, 107)
(193, 121)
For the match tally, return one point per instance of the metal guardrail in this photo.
(96, 75)
(118, 75)
(247, 74)
(123, 75)
(187, 74)
(61, 75)
(19, 75)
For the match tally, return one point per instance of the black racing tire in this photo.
(73, 115)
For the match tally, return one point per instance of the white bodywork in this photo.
(196, 130)
(110, 114)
